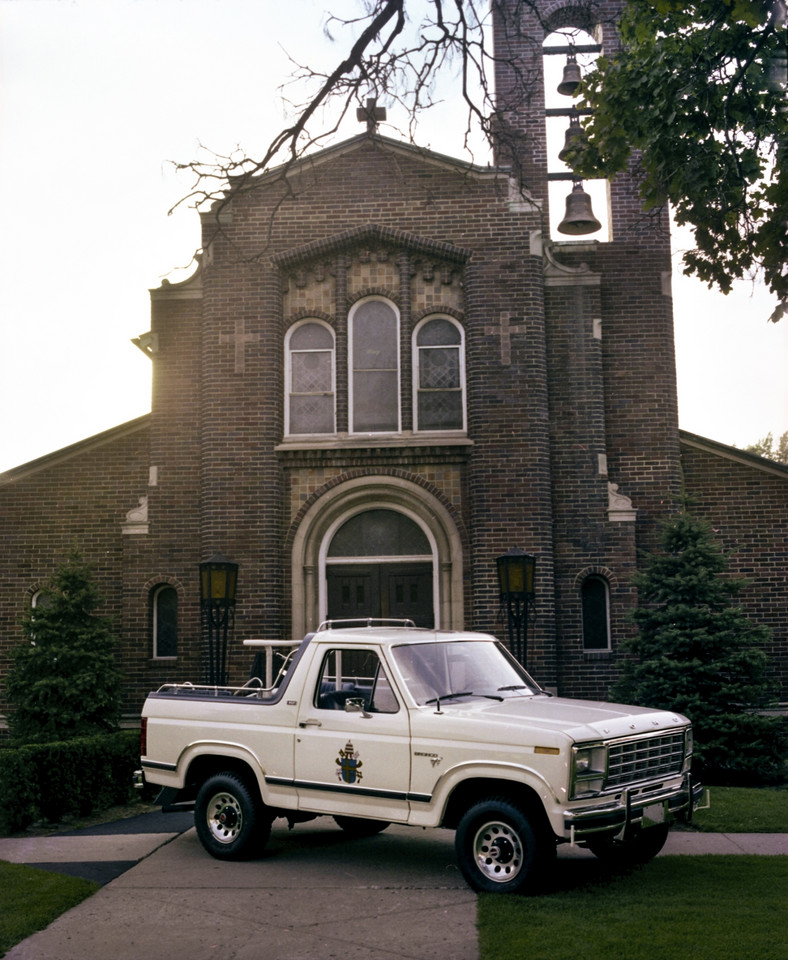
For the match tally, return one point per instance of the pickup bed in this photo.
(379, 724)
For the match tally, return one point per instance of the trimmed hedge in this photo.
(53, 781)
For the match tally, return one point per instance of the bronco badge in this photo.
(349, 764)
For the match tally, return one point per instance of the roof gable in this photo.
(743, 457)
(312, 161)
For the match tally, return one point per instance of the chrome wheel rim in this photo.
(225, 817)
(498, 851)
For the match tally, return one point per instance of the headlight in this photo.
(588, 772)
(688, 741)
(583, 761)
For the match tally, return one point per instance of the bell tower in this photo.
(529, 39)
(608, 320)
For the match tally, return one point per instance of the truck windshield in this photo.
(465, 668)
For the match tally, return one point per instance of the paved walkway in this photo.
(312, 894)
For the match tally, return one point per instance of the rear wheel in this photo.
(633, 851)
(498, 850)
(358, 827)
(230, 822)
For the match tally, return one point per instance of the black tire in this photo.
(499, 850)
(632, 852)
(231, 823)
(358, 827)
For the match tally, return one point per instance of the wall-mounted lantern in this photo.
(218, 579)
(516, 570)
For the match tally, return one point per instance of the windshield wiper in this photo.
(515, 686)
(465, 693)
(449, 696)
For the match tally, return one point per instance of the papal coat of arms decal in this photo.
(349, 764)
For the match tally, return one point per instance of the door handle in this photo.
(310, 723)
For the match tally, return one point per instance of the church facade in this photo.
(383, 375)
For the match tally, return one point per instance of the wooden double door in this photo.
(381, 590)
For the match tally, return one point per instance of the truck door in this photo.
(352, 750)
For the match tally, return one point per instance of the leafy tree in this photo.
(696, 94)
(697, 653)
(63, 681)
(699, 89)
(765, 448)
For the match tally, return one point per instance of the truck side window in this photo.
(354, 674)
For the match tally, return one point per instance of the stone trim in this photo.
(375, 234)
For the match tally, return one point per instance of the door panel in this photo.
(399, 590)
(353, 591)
(409, 593)
(353, 763)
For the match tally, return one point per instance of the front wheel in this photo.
(633, 851)
(498, 849)
(230, 822)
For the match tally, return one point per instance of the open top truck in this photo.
(383, 724)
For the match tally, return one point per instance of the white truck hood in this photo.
(578, 720)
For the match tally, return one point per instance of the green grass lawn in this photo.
(31, 899)
(744, 810)
(707, 908)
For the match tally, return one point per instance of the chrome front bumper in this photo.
(633, 809)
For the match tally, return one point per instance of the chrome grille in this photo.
(632, 761)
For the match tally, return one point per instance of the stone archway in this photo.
(327, 514)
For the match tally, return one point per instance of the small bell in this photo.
(579, 218)
(574, 132)
(571, 80)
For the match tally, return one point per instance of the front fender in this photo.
(463, 775)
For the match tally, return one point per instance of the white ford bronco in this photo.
(389, 724)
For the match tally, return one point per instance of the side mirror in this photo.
(356, 705)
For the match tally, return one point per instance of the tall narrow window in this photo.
(596, 614)
(439, 374)
(310, 379)
(374, 364)
(164, 619)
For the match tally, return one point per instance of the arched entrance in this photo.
(411, 564)
(379, 564)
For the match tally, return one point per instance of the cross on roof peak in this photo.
(371, 113)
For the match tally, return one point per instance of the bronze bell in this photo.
(573, 132)
(579, 218)
(571, 80)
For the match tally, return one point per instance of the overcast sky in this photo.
(96, 97)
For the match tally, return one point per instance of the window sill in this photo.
(368, 441)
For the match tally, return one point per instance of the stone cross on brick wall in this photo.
(239, 339)
(504, 329)
(371, 114)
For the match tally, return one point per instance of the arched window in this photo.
(439, 375)
(374, 368)
(595, 599)
(164, 621)
(379, 533)
(309, 378)
(40, 599)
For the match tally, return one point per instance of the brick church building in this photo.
(383, 375)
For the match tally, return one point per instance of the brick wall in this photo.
(746, 500)
(79, 497)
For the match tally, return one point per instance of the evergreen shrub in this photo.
(697, 652)
(64, 681)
